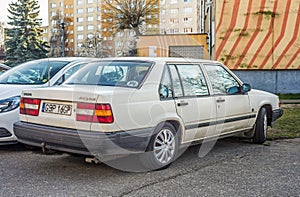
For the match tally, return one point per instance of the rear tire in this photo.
(162, 149)
(261, 126)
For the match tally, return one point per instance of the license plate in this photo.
(54, 108)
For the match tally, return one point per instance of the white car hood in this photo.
(10, 90)
(260, 93)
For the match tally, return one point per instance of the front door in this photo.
(233, 107)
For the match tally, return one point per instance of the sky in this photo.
(43, 10)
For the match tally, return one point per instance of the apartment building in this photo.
(179, 16)
(89, 24)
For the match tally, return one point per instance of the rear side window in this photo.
(186, 80)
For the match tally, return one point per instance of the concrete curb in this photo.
(295, 101)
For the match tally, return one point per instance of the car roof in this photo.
(4, 66)
(158, 59)
(67, 59)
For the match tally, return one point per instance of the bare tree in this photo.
(92, 47)
(133, 14)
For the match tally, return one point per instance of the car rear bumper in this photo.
(277, 113)
(83, 142)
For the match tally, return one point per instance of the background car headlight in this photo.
(9, 104)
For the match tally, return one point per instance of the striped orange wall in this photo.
(258, 34)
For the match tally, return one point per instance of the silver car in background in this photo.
(38, 73)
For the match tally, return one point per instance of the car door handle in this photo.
(182, 103)
(220, 100)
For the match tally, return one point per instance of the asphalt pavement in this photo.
(231, 168)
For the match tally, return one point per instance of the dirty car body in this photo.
(144, 105)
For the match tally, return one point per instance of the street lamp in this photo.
(62, 38)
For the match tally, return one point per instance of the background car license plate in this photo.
(57, 108)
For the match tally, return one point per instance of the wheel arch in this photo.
(178, 126)
(268, 107)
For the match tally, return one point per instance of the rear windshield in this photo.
(112, 73)
(33, 72)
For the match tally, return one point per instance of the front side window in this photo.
(221, 80)
(112, 73)
(192, 79)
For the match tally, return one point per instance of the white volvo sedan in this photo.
(144, 105)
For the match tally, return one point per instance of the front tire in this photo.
(162, 148)
(261, 126)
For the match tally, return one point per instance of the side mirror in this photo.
(233, 90)
(246, 87)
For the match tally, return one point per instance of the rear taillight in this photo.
(88, 112)
(30, 106)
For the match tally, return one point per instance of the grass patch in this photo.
(288, 126)
(289, 96)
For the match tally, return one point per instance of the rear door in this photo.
(233, 107)
(193, 101)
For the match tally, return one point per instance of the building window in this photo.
(175, 30)
(174, 10)
(80, 28)
(80, 37)
(174, 20)
(90, 27)
(90, 18)
(119, 44)
(80, 19)
(53, 13)
(89, 1)
(53, 5)
(90, 10)
(173, 1)
(186, 1)
(79, 11)
(187, 19)
(187, 30)
(187, 10)
(79, 2)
